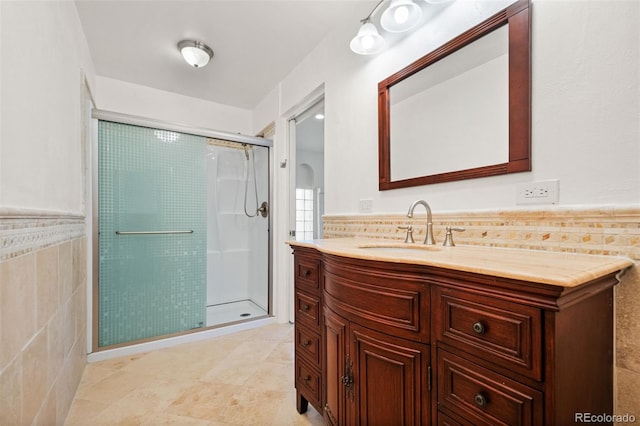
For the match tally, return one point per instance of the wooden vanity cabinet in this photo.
(405, 344)
(307, 333)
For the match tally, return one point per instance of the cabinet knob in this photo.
(306, 379)
(480, 400)
(306, 343)
(478, 328)
(346, 380)
(306, 273)
(306, 307)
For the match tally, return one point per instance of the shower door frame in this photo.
(115, 117)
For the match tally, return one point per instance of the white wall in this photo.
(44, 58)
(585, 108)
(134, 99)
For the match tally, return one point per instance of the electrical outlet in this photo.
(540, 192)
(365, 206)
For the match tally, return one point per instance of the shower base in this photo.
(234, 311)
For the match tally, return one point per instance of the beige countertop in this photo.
(555, 268)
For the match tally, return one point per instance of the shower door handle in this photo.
(153, 232)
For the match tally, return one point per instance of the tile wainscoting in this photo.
(43, 311)
(603, 231)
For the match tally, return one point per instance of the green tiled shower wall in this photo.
(150, 180)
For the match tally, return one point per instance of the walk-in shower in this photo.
(182, 231)
(237, 231)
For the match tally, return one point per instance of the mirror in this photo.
(461, 111)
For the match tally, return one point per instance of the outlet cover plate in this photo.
(539, 192)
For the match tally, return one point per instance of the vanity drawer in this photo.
(308, 310)
(392, 305)
(306, 274)
(484, 397)
(444, 420)
(307, 381)
(501, 332)
(308, 345)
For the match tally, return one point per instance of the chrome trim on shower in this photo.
(152, 232)
(181, 128)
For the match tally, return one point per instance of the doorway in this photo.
(308, 196)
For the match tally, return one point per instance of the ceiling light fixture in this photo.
(195, 53)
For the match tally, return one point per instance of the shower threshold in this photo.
(226, 313)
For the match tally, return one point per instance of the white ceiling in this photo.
(255, 43)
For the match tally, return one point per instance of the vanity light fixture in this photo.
(195, 53)
(400, 16)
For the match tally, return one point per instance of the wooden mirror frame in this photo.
(517, 16)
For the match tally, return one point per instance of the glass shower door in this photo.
(152, 207)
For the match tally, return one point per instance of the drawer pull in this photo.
(306, 343)
(347, 381)
(480, 400)
(478, 328)
(347, 378)
(306, 307)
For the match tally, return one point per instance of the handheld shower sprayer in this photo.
(263, 209)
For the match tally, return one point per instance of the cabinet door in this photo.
(335, 363)
(391, 379)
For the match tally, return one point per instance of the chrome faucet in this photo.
(428, 238)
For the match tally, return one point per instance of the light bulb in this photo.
(401, 14)
(367, 42)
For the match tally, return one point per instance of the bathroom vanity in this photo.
(395, 334)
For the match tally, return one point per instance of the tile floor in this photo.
(240, 379)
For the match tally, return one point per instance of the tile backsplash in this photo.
(610, 231)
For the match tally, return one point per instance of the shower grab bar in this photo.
(152, 232)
